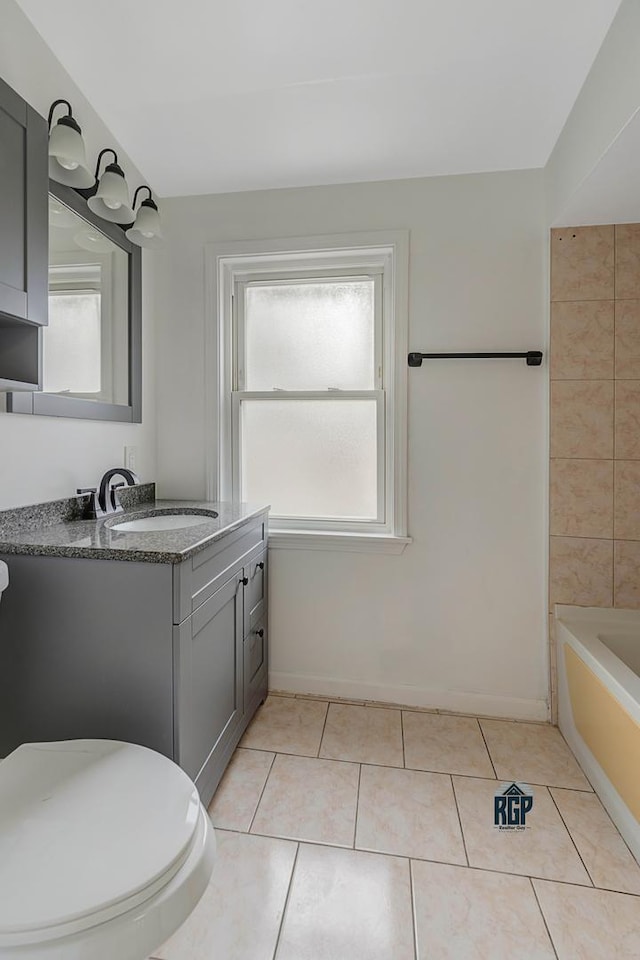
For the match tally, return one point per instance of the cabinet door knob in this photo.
(260, 565)
(260, 633)
(244, 581)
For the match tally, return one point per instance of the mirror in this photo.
(90, 350)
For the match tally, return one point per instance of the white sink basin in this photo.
(173, 521)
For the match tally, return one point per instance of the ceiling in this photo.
(210, 97)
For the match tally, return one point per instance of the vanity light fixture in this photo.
(146, 231)
(67, 160)
(111, 199)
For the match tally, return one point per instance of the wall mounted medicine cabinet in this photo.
(23, 241)
(92, 346)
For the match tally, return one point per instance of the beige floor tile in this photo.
(307, 799)
(587, 924)
(347, 905)
(532, 752)
(543, 849)
(363, 735)
(287, 725)
(408, 813)
(604, 852)
(236, 799)
(464, 914)
(240, 913)
(445, 744)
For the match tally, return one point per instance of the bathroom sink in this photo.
(163, 521)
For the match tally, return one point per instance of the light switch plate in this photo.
(131, 458)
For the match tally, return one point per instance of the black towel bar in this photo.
(533, 357)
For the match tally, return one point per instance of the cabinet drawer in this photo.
(255, 592)
(255, 661)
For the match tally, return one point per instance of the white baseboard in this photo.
(478, 704)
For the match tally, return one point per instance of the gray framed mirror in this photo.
(91, 350)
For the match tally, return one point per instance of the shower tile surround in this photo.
(594, 501)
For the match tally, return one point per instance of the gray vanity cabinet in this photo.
(172, 656)
(23, 240)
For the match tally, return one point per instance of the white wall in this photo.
(42, 458)
(609, 99)
(457, 621)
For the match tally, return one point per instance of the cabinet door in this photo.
(209, 677)
(23, 209)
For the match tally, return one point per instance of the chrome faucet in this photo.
(104, 500)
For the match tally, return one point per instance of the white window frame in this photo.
(381, 255)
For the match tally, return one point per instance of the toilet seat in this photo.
(97, 838)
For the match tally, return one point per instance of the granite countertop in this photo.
(58, 529)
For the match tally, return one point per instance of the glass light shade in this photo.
(67, 161)
(60, 216)
(146, 231)
(111, 200)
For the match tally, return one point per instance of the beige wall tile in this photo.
(581, 498)
(627, 500)
(627, 574)
(627, 340)
(582, 419)
(627, 261)
(582, 263)
(627, 414)
(581, 571)
(582, 338)
(553, 671)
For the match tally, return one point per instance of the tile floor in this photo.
(359, 832)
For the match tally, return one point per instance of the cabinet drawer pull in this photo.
(244, 581)
(260, 633)
(260, 565)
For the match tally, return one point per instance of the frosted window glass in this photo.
(311, 458)
(71, 344)
(310, 336)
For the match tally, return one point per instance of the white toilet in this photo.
(105, 849)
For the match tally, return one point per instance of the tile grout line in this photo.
(414, 915)
(448, 863)
(544, 919)
(404, 758)
(564, 823)
(286, 903)
(464, 842)
(486, 746)
(264, 787)
(355, 823)
(324, 727)
(444, 773)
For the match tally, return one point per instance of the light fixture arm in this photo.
(101, 155)
(138, 189)
(56, 103)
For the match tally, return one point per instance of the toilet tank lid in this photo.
(85, 824)
(4, 576)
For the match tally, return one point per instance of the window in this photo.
(311, 407)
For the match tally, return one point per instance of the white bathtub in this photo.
(598, 663)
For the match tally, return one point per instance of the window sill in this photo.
(348, 542)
